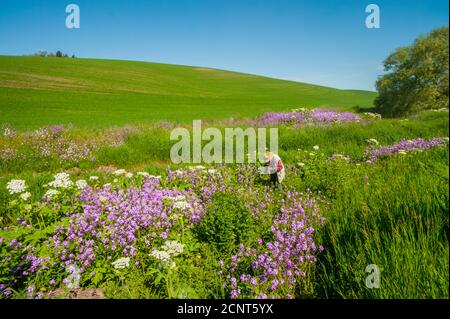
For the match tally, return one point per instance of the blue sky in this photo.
(317, 41)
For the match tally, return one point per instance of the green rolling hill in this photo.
(36, 91)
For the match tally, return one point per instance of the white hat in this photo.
(268, 156)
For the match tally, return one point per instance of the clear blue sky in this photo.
(316, 41)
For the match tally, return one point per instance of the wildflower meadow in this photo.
(106, 211)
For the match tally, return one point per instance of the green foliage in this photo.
(227, 223)
(320, 174)
(417, 78)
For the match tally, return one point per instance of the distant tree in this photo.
(417, 78)
(73, 56)
(41, 53)
(58, 54)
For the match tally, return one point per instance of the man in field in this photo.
(274, 166)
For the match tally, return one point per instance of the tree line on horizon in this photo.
(57, 54)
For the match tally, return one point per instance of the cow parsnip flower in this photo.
(81, 184)
(121, 263)
(62, 180)
(25, 196)
(16, 186)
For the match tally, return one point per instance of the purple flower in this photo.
(276, 262)
(235, 293)
(308, 117)
(14, 243)
(373, 153)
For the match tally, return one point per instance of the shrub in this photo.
(226, 223)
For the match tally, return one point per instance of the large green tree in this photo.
(417, 76)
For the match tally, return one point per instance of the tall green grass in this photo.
(398, 222)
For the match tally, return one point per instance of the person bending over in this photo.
(275, 168)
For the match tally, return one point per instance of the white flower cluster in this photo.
(372, 141)
(372, 115)
(179, 202)
(339, 157)
(179, 172)
(161, 255)
(195, 168)
(120, 172)
(123, 172)
(93, 178)
(50, 193)
(121, 263)
(8, 132)
(25, 196)
(181, 205)
(316, 147)
(199, 168)
(301, 109)
(143, 174)
(173, 248)
(169, 249)
(62, 180)
(16, 186)
(147, 175)
(81, 184)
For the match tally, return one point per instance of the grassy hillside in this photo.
(38, 91)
